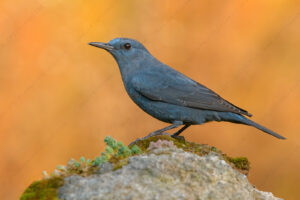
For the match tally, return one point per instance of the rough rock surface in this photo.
(164, 173)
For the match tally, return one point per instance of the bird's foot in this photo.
(178, 137)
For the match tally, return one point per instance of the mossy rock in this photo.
(240, 163)
(46, 189)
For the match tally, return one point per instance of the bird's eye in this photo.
(127, 46)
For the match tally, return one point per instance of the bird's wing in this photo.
(175, 88)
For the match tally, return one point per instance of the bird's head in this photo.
(124, 50)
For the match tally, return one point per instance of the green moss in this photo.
(46, 189)
(136, 150)
(118, 162)
(144, 144)
(199, 149)
(241, 163)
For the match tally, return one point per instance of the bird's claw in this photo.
(178, 137)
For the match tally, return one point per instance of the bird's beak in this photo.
(102, 45)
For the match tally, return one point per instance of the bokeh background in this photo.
(59, 97)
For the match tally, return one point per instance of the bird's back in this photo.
(160, 82)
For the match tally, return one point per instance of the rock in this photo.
(164, 173)
(159, 167)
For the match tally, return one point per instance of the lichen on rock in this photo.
(241, 163)
(165, 173)
(158, 167)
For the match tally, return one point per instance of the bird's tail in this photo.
(236, 118)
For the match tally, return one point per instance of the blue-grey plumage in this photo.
(167, 94)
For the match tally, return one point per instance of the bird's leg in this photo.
(160, 131)
(181, 130)
(176, 134)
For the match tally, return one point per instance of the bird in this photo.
(168, 95)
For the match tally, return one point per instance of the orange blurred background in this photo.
(59, 97)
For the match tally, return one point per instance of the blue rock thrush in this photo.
(168, 95)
